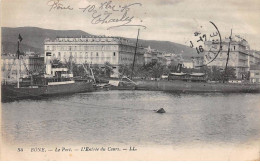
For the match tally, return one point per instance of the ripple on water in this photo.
(127, 117)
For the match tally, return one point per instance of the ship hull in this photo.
(10, 92)
(182, 86)
(76, 87)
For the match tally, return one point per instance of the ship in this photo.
(55, 81)
(12, 92)
(182, 82)
(196, 82)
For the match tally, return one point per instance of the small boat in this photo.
(161, 110)
(102, 87)
(122, 84)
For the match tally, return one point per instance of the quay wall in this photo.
(182, 86)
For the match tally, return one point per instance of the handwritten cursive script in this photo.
(58, 5)
(116, 15)
(109, 13)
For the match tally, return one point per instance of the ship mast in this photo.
(18, 68)
(135, 54)
(230, 39)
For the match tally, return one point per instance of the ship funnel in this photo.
(48, 63)
(179, 67)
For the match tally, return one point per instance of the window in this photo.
(97, 53)
(114, 53)
(70, 48)
(257, 73)
(234, 48)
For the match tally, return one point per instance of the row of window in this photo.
(28, 66)
(13, 61)
(255, 80)
(85, 39)
(81, 48)
(91, 54)
(254, 73)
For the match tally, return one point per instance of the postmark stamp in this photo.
(207, 42)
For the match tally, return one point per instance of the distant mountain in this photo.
(33, 39)
(168, 46)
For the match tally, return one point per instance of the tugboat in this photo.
(54, 81)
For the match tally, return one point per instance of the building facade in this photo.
(29, 64)
(239, 55)
(188, 63)
(255, 73)
(153, 55)
(94, 50)
(169, 58)
(197, 61)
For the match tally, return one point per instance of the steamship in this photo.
(55, 81)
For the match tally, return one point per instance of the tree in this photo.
(125, 70)
(78, 70)
(108, 70)
(215, 73)
(230, 73)
(56, 63)
(173, 66)
(97, 71)
(157, 70)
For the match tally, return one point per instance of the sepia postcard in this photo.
(130, 80)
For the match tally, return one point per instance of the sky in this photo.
(168, 20)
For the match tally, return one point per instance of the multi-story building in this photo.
(150, 55)
(153, 55)
(254, 57)
(238, 55)
(160, 58)
(197, 61)
(255, 73)
(187, 63)
(169, 58)
(29, 64)
(94, 50)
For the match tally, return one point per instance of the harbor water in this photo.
(127, 117)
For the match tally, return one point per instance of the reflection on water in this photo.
(127, 117)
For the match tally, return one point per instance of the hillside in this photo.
(167, 46)
(33, 39)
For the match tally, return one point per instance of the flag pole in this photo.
(135, 54)
(18, 65)
(18, 60)
(225, 74)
